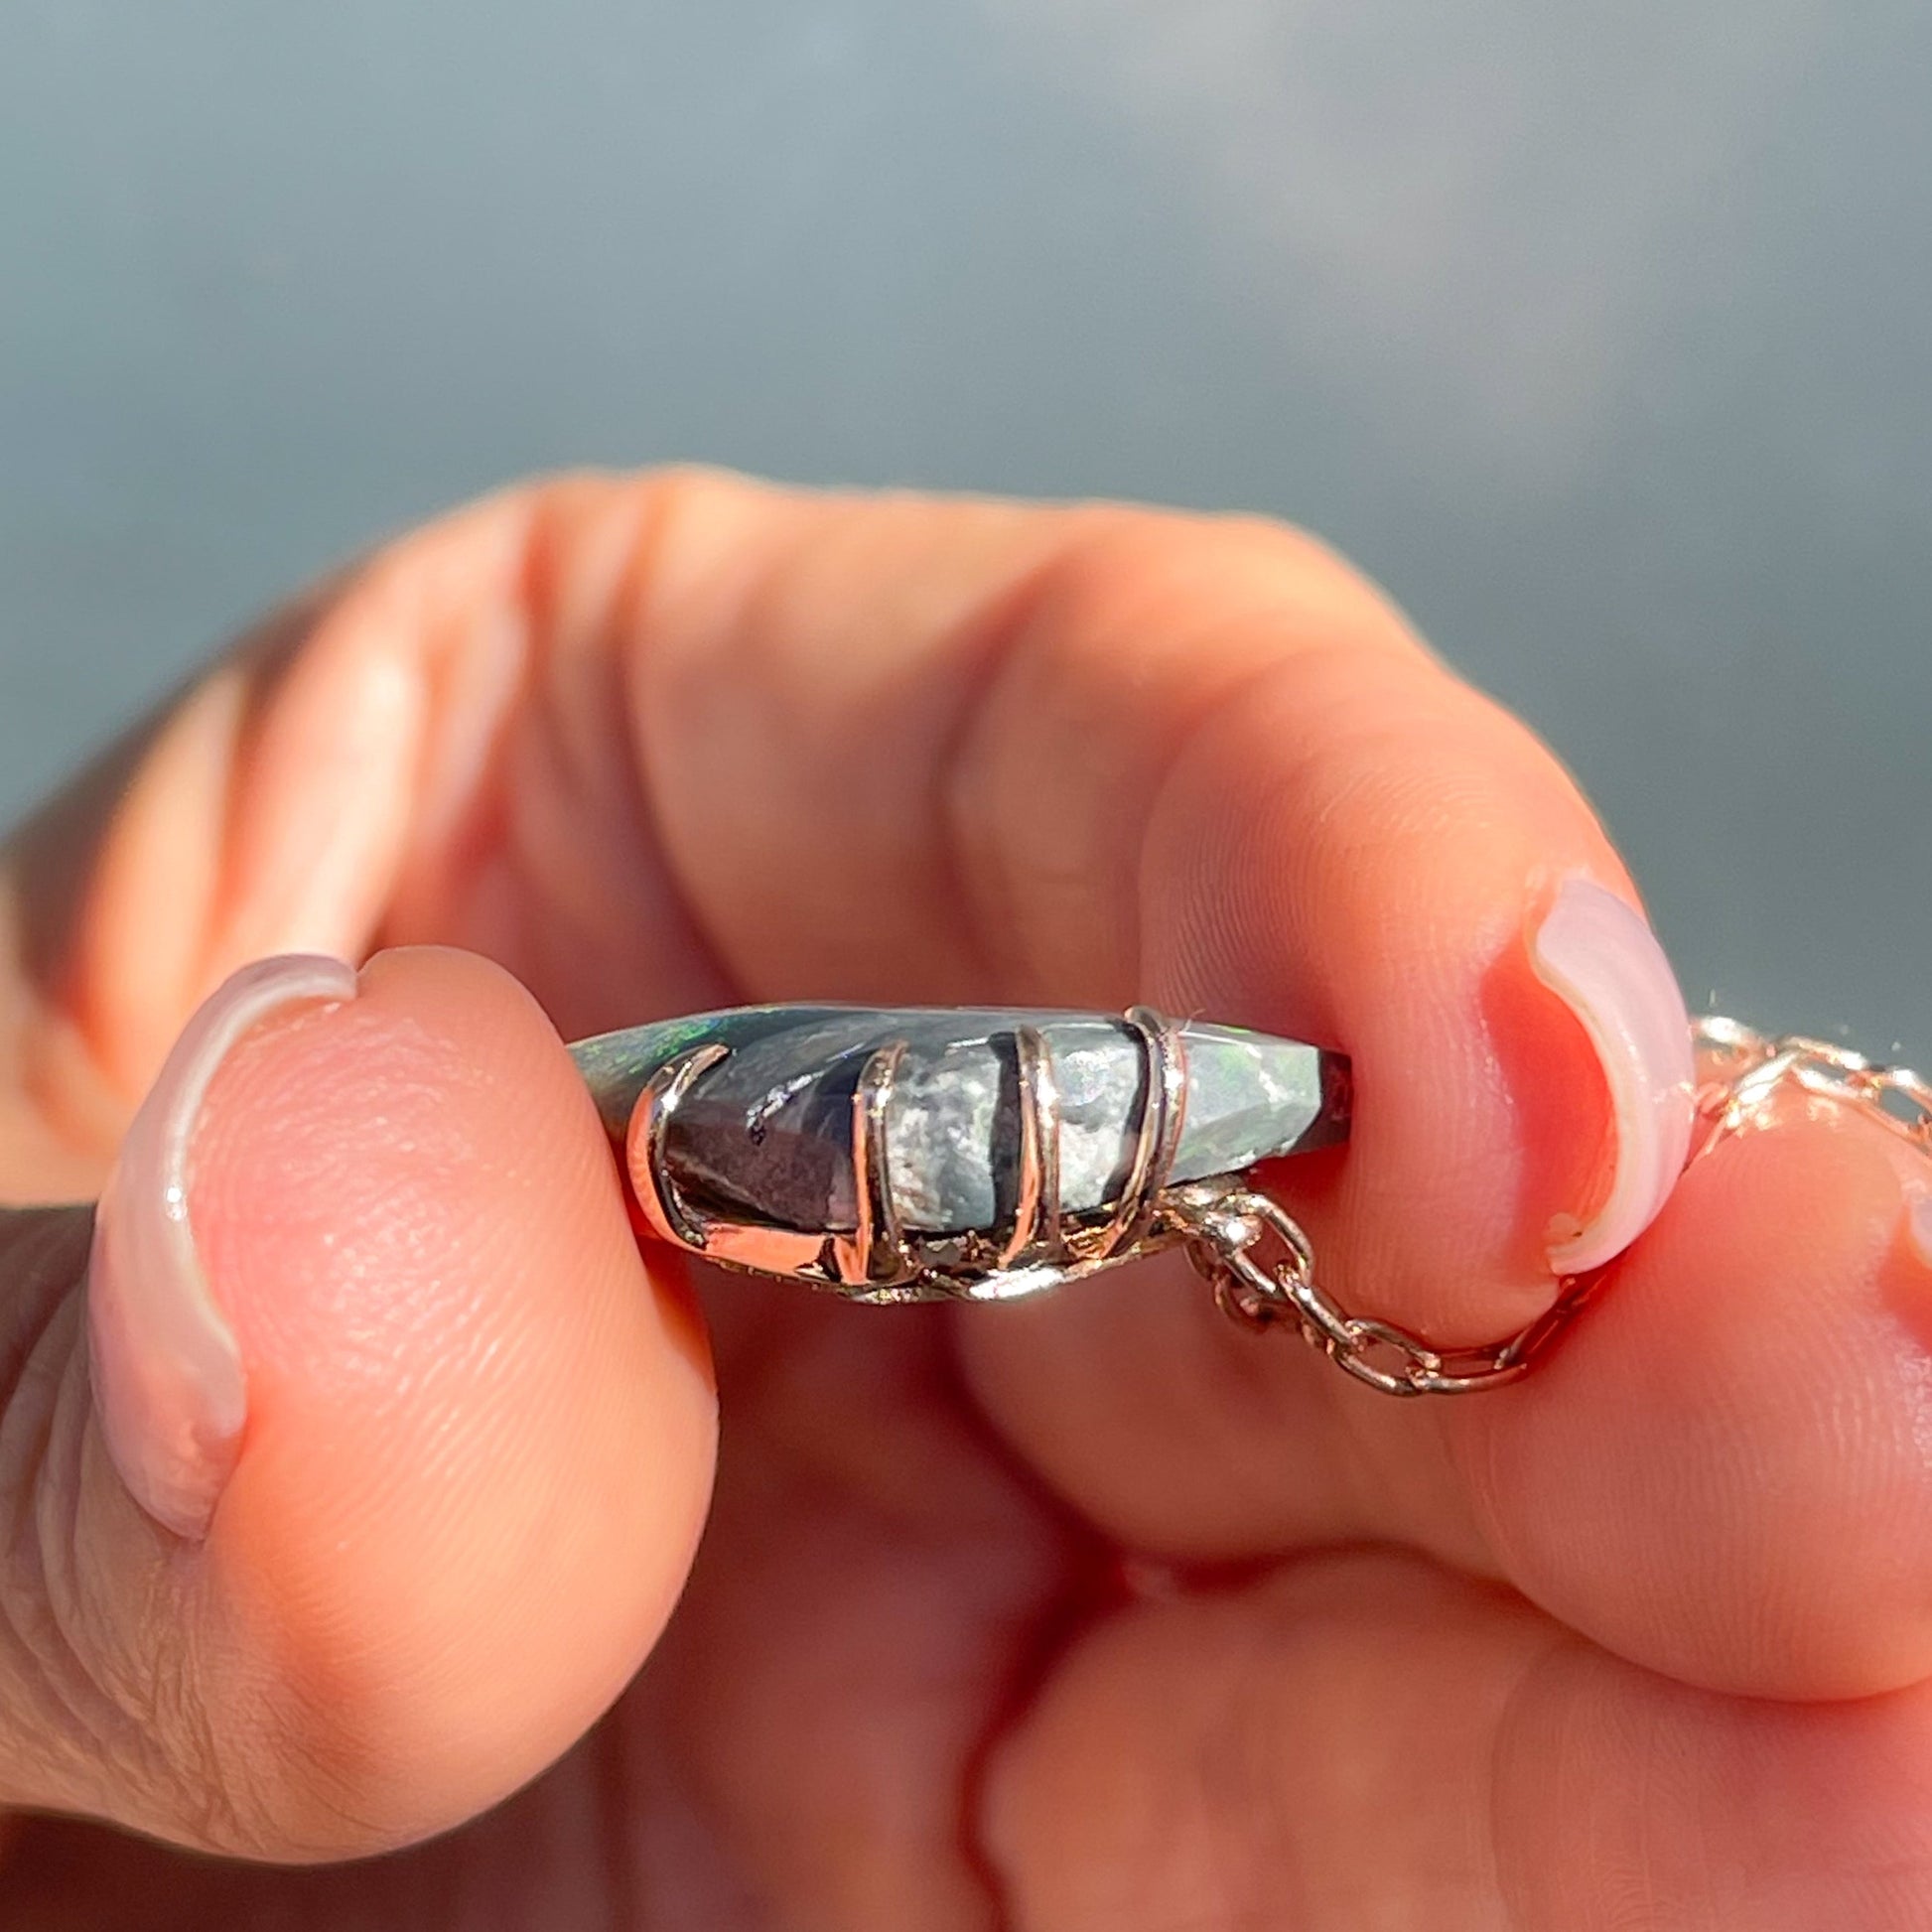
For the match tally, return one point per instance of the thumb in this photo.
(354, 1462)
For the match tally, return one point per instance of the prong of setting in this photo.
(657, 1193)
(1164, 1108)
(877, 1236)
(1037, 1192)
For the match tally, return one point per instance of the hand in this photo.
(1090, 1614)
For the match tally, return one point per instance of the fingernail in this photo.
(1594, 951)
(168, 1377)
(1918, 1224)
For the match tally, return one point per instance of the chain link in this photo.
(1745, 1070)
(1742, 1073)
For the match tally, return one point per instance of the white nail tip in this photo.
(169, 1386)
(1596, 953)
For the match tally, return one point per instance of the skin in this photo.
(1091, 1613)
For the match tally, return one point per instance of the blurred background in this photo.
(1601, 333)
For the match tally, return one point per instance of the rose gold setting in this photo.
(881, 1261)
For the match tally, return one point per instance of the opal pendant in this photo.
(913, 1154)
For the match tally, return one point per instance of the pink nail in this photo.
(1918, 1224)
(168, 1377)
(1596, 953)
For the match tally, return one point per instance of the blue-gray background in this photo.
(1601, 333)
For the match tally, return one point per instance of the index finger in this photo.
(950, 753)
